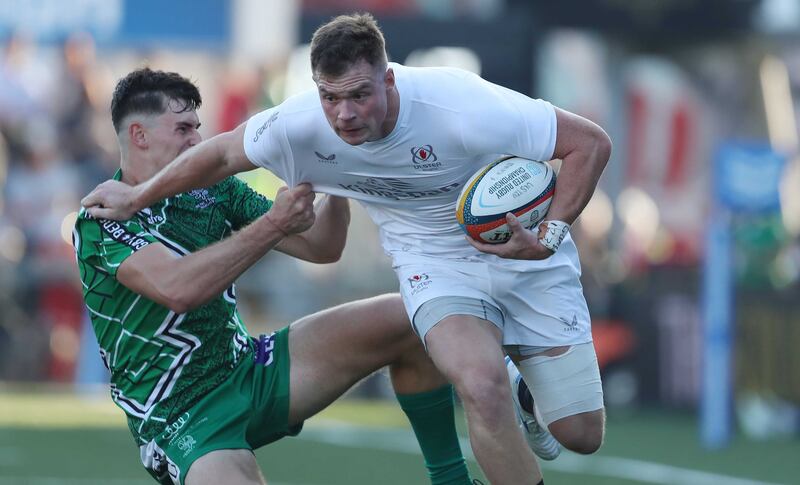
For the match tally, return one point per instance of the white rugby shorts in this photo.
(542, 304)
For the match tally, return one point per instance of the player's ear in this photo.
(388, 79)
(137, 134)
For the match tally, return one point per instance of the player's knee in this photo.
(582, 434)
(484, 391)
(585, 444)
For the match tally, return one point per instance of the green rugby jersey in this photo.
(162, 362)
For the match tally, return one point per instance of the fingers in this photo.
(304, 192)
(483, 247)
(90, 200)
(113, 197)
(99, 212)
(475, 244)
(293, 209)
(519, 246)
(96, 197)
(500, 249)
(297, 192)
(302, 195)
(302, 189)
(513, 223)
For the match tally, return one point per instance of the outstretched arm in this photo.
(200, 166)
(184, 283)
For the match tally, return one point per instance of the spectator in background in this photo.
(41, 186)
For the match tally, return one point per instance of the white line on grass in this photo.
(343, 434)
(403, 441)
(93, 481)
(643, 471)
(71, 481)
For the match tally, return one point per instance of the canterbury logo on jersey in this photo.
(119, 233)
(328, 159)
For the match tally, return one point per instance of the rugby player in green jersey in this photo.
(199, 392)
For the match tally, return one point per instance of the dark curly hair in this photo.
(149, 92)
(344, 41)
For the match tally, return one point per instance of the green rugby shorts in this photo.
(249, 410)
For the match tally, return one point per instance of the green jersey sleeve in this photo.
(246, 205)
(105, 244)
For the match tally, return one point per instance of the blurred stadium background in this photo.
(690, 247)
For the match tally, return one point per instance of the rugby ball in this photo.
(510, 184)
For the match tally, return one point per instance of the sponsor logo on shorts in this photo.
(424, 159)
(186, 444)
(171, 431)
(419, 282)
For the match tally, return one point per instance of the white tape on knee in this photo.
(566, 384)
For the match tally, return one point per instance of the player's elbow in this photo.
(333, 258)
(324, 260)
(336, 249)
(177, 305)
(181, 307)
(328, 255)
(180, 299)
(601, 145)
(329, 249)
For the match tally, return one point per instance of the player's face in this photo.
(172, 133)
(356, 103)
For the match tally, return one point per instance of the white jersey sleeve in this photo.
(499, 120)
(263, 144)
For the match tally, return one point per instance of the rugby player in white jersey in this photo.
(403, 141)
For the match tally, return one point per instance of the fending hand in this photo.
(293, 209)
(111, 200)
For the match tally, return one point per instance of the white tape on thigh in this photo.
(566, 384)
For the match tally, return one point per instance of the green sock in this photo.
(432, 416)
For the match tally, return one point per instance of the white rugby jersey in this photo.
(450, 124)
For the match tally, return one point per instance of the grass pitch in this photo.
(54, 438)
